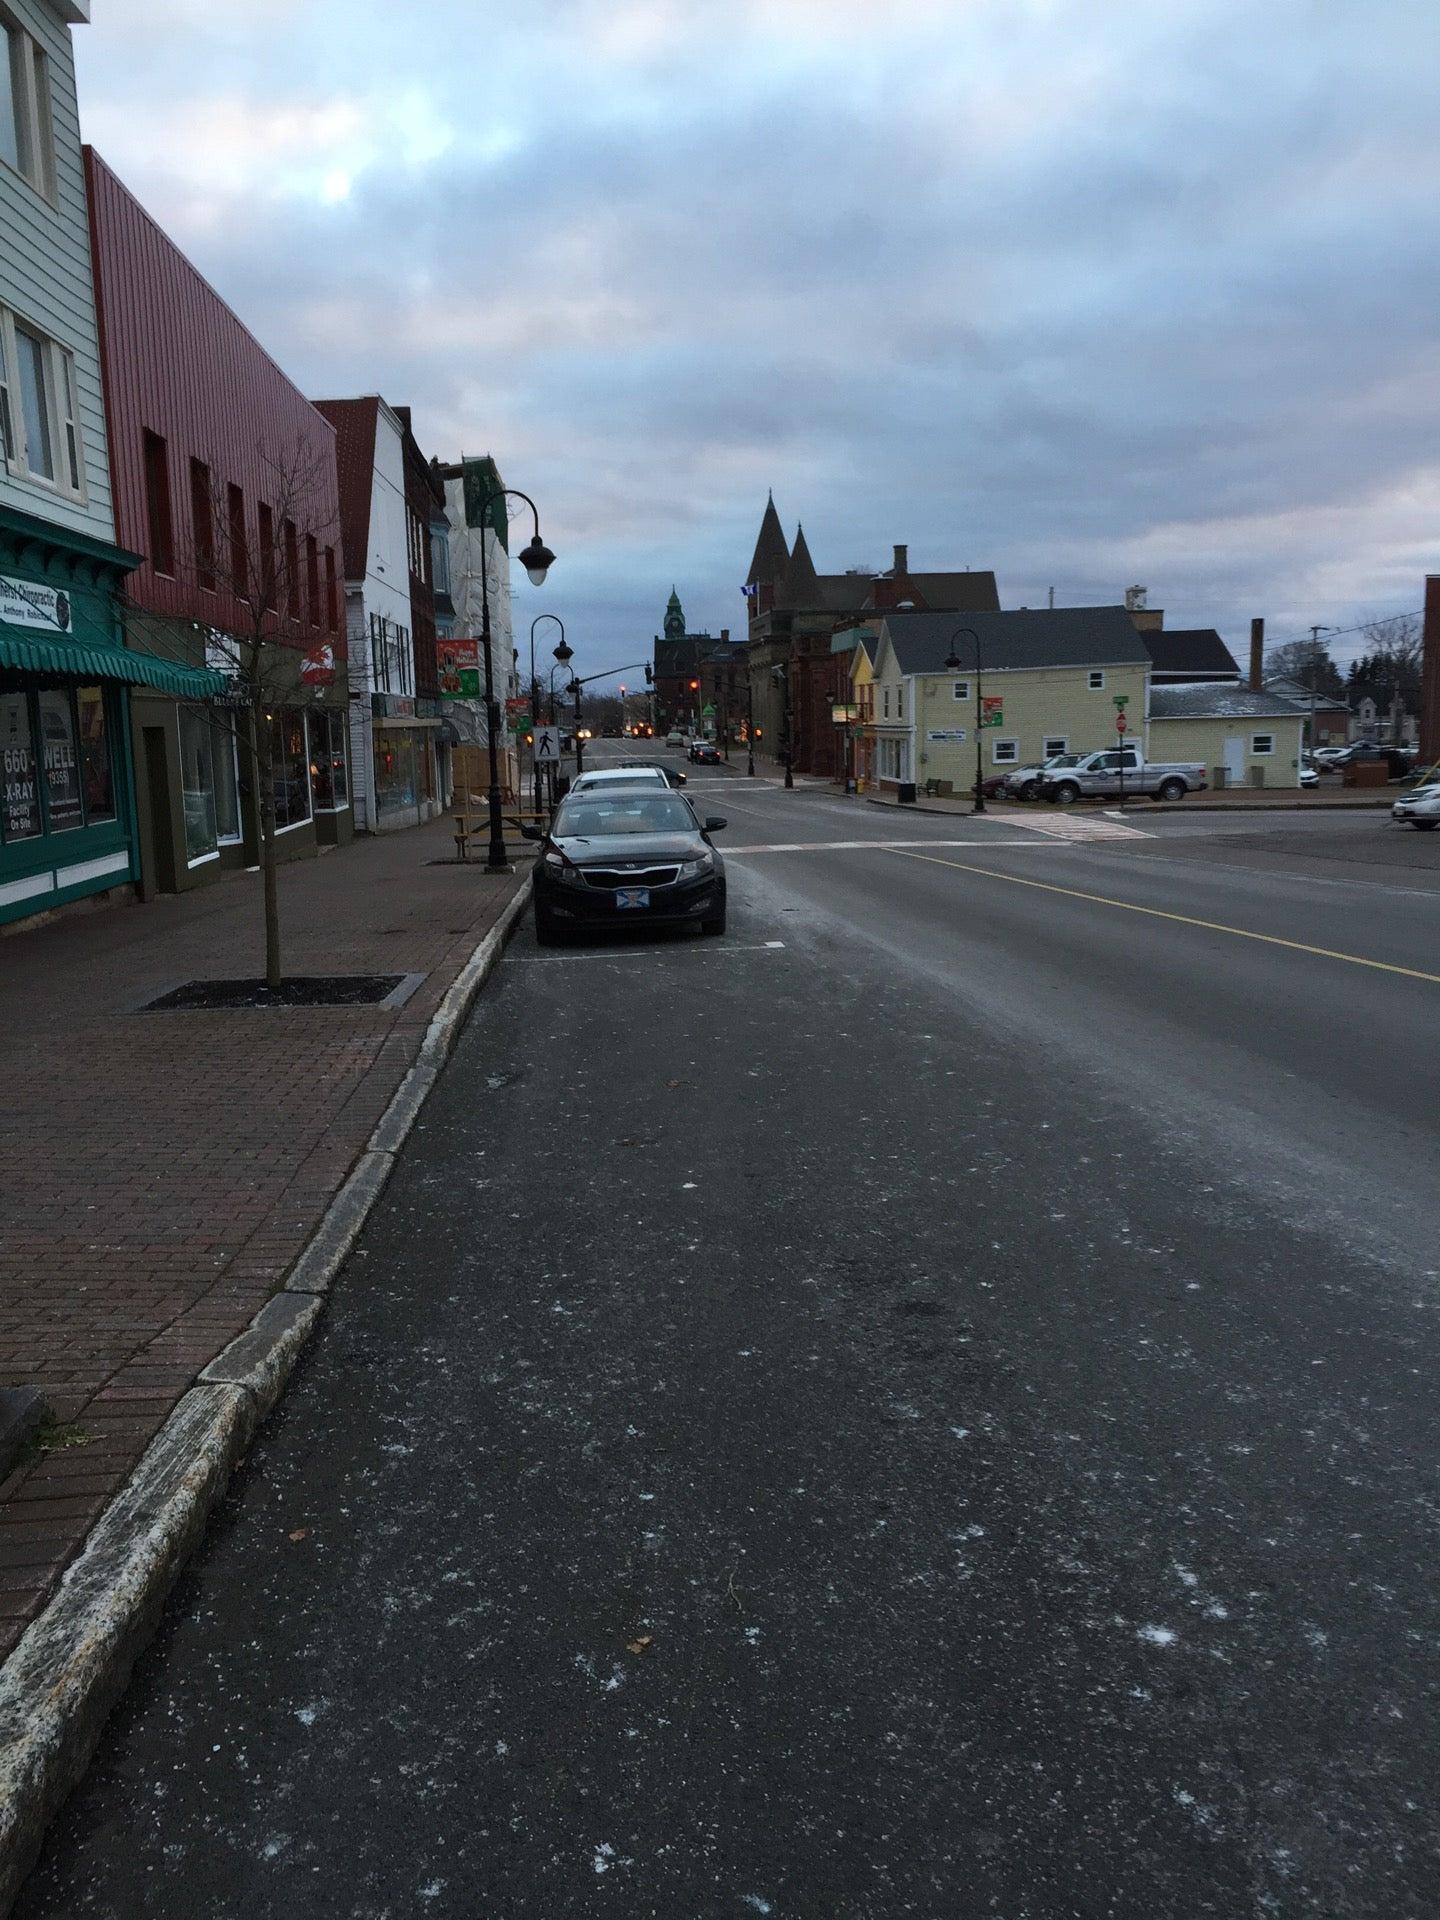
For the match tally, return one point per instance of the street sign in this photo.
(547, 746)
(1121, 700)
(1120, 721)
(951, 736)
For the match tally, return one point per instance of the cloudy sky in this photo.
(1088, 291)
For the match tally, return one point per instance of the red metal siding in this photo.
(178, 363)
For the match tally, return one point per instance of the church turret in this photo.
(767, 568)
(674, 617)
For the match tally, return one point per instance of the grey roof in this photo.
(1290, 689)
(1029, 637)
(846, 641)
(1211, 702)
(1185, 653)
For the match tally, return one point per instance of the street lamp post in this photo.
(1315, 633)
(750, 727)
(535, 689)
(782, 675)
(565, 653)
(952, 665)
(537, 560)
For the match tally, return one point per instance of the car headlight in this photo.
(692, 869)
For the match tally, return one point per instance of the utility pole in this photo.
(1315, 633)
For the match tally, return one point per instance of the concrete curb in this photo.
(59, 1685)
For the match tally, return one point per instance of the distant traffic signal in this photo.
(694, 686)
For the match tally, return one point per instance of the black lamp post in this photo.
(565, 653)
(952, 665)
(537, 559)
(780, 674)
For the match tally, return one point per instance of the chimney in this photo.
(902, 562)
(1257, 655)
(724, 633)
(1430, 675)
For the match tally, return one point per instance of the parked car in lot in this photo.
(1121, 770)
(626, 856)
(1024, 783)
(1420, 808)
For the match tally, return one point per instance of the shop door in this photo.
(164, 878)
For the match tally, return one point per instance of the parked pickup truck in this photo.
(1120, 770)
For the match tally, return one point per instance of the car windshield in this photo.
(589, 816)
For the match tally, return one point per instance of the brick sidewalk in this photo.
(161, 1172)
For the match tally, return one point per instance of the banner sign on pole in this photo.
(992, 711)
(458, 664)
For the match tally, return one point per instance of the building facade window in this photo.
(202, 524)
(197, 786)
(440, 558)
(27, 138)
(39, 415)
(1005, 752)
(97, 767)
(390, 657)
(893, 759)
(1096, 681)
(239, 546)
(332, 599)
(157, 504)
(1262, 744)
(312, 579)
(886, 703)
(1054, 743)
(292, 570)
(960, 690)
(265, 534)
(57, 763)
(329, 768)
(289, 769)
(396, 780)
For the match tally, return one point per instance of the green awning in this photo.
(93, 660)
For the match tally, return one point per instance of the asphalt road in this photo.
(922, 1407)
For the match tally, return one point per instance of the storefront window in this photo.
(394, 770)
(197, 784)
(97, 776)
(20, 792)
(328, 771)
(63, 806)
(290, 768)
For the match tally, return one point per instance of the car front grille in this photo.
(612, 877)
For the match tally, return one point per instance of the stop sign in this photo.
(1120, 722)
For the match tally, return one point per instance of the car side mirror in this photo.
(714, 823)
(530, 833)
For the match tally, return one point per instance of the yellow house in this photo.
(1241, 738)
(1029, 684)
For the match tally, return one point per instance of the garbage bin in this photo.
(906, 793)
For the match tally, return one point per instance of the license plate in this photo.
(632, 896)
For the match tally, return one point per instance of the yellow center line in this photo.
(1159, 913)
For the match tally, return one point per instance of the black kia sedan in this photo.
(624, 857)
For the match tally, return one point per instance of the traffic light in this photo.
(759, 733)
(649, 677)
(694, 686)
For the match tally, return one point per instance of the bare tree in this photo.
(272, 607)
(1307, 661)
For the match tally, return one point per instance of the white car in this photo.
(1420, 807)
(675, 739)
(618, 777)
(1309, 777)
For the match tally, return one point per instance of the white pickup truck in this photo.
(1120, 770)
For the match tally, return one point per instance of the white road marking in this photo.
(1073, 826)
(853, 846)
